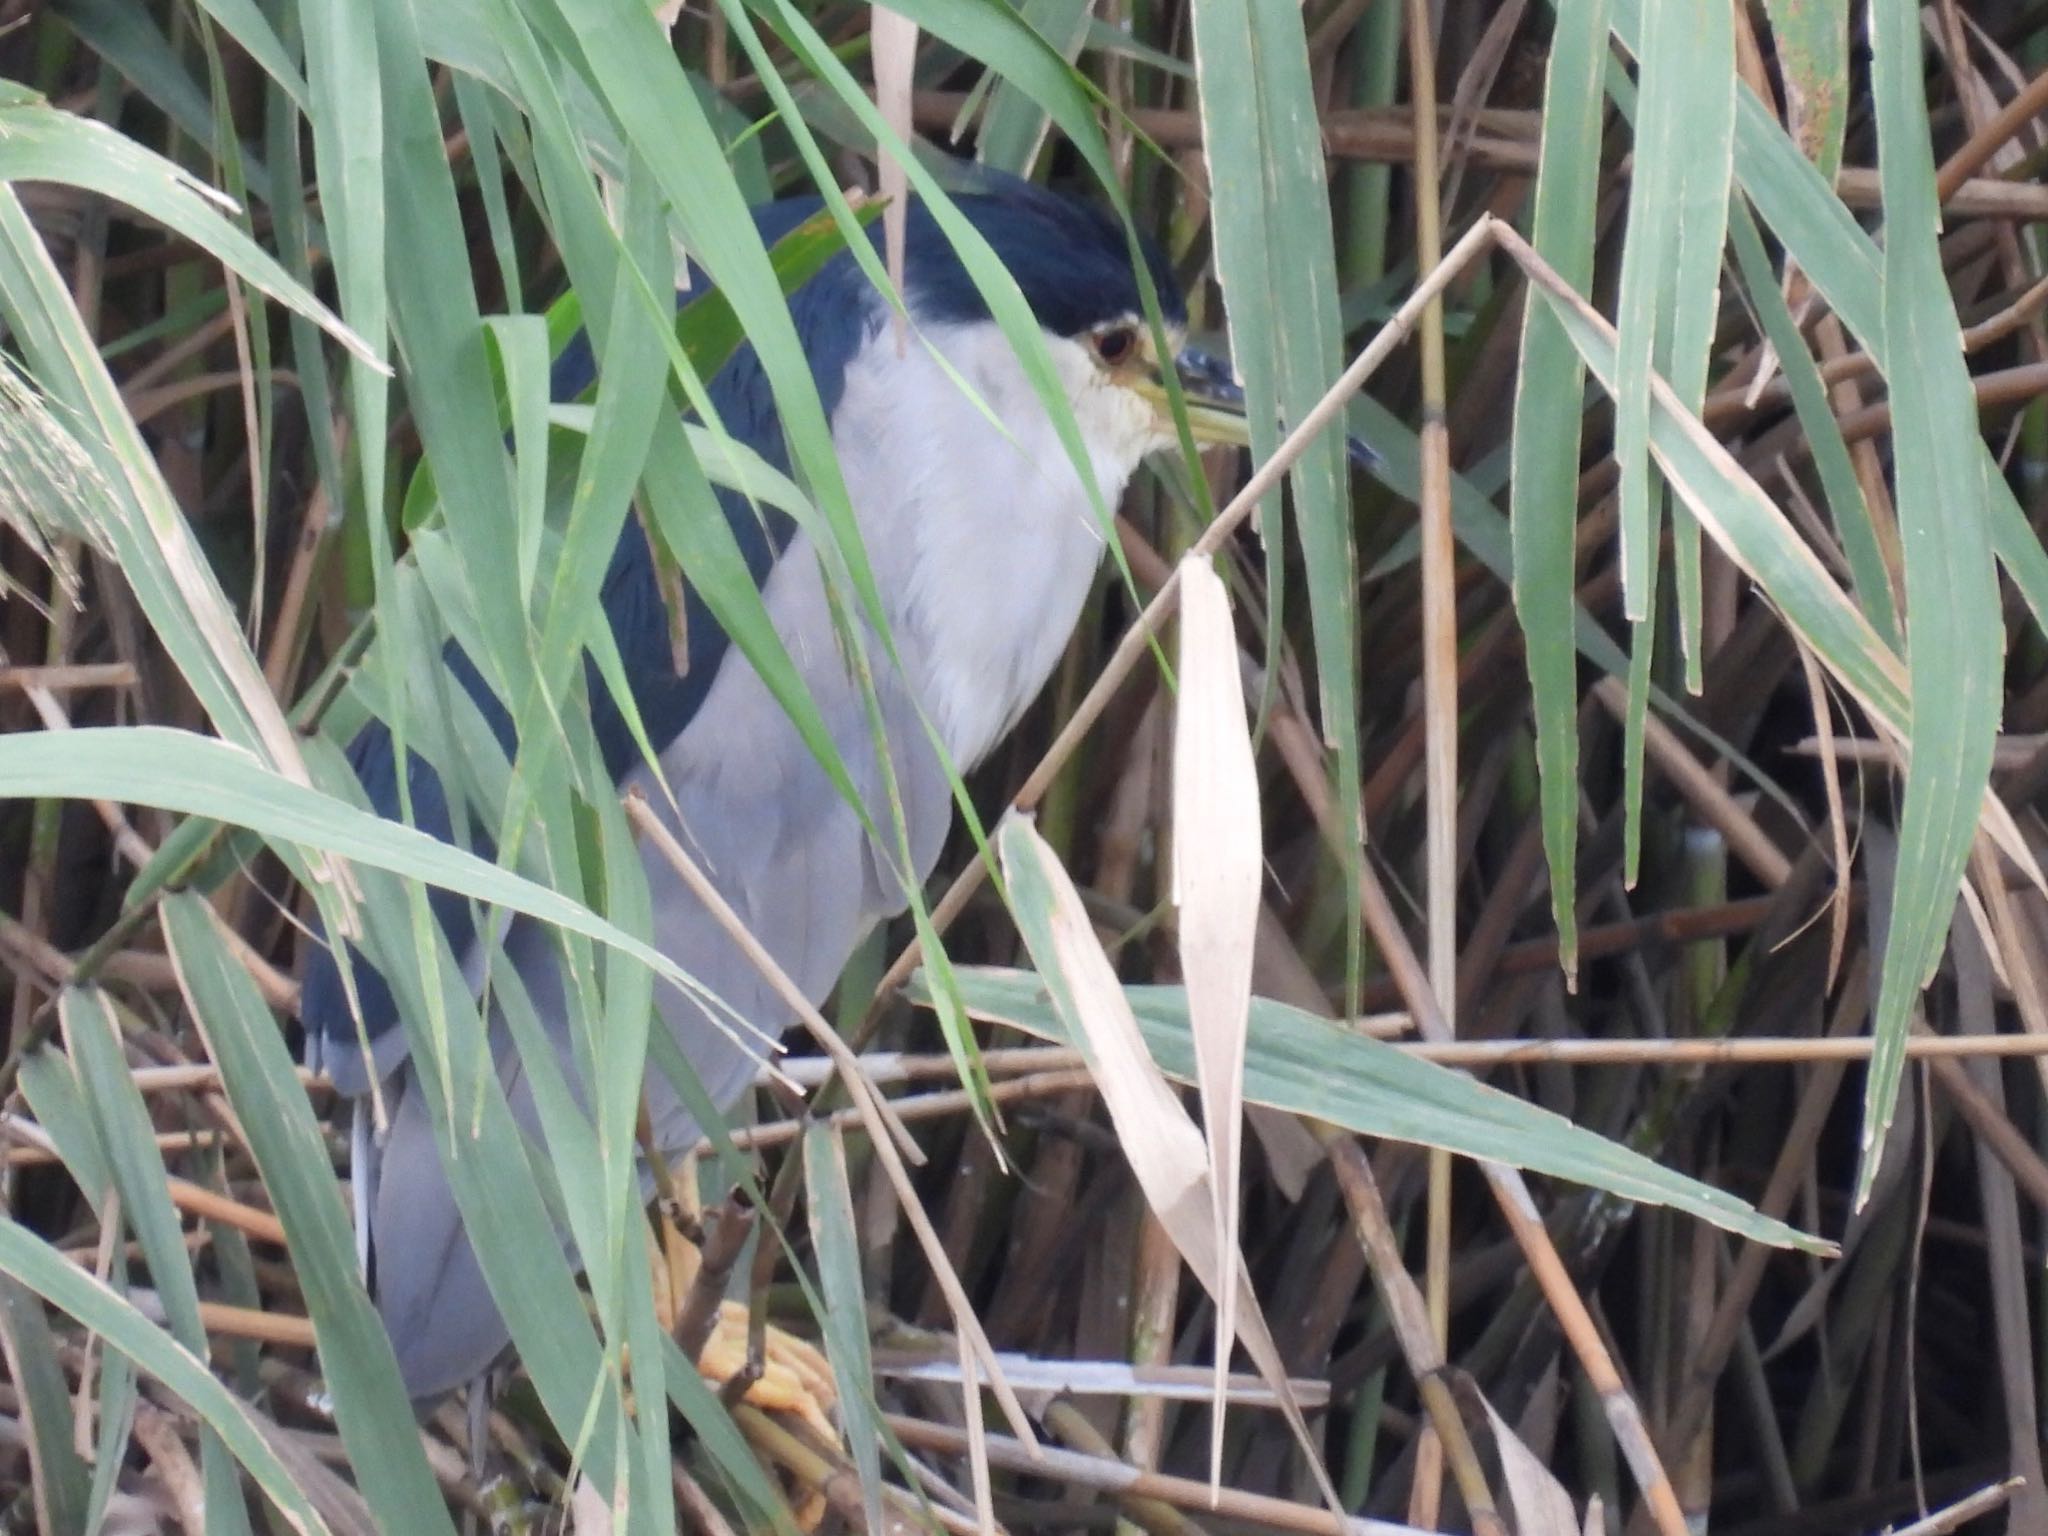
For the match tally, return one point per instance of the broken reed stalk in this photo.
(1954, 1517)
(923, 1106)
(1414, 1321)
(718, 1251)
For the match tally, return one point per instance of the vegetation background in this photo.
(1682, 663)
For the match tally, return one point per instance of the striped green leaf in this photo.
(1271, 219)
(1544, 495)
(1311, 1066)
(370, 1405)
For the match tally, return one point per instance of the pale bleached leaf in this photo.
(1542, 1507)
(1217, 869)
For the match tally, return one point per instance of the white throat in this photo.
(983, 538)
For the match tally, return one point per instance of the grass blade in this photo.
(1013, 127)
(1839, 484)
(179, 771)
(1955, 626)
(1544, 497)
(1670, 292)
(56, 1471)
(42, 1270)
(1307, 1065)
(42, 143)
(137, 520)
(1272, 215)
(1647, 276)
(829, 1204)
(1813, 59)
(370, 1406)
(127, 1137)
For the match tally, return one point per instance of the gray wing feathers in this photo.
(443, 1324)
(791, 857)
(341, 1060)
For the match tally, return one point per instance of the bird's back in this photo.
(833, 312)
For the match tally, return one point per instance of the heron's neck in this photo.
(984, 538)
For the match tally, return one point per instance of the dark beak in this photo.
(1215, 404)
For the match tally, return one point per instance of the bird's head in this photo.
(1072, 262)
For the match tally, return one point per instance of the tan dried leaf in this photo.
(1218, 868)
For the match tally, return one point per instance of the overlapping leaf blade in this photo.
(1276, 262)
(1548, 427)
(1310, 1066)
(35, 1265)
(1955, 630)
(370, 1406)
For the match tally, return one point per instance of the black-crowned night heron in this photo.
(983, 542)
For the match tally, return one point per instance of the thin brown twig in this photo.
(39, 1156)
(1740, 400)
(1440, 788)
(72, 677)
(195, 1075)
(923, 1106)
(178, 353)
(2000, 1136)
(2001, 386)
(1154, 1515)
(1417, 1330)
(289, 626)
(1506, 140)
(131, 844)
(1750, 1051)
(833, 1483)
(693, 1502)
(1955, 1516)
(281, 1328)
(1124, 1480)
(1976, 152)
(153, 403)
(265, 1327)
(172, 1464)
(1706, 794)
(211, 1205)
(1709, 1357)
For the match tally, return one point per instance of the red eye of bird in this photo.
(1115, 345)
